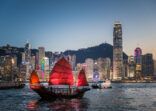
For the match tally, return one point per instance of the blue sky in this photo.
(59, 25)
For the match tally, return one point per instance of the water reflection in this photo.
(32, 105)
(59, 105)
(122, 97)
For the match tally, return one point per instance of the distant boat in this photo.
(95, 86)
(104, 85)
(61, 83)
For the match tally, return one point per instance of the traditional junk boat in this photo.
(61, 83)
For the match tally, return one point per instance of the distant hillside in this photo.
(103, 50)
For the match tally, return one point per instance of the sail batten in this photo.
(61, 74)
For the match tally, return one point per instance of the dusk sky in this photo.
(59, 25)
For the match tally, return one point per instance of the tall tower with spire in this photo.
(27, 52)
(117, 52)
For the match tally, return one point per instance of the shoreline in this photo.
(10, 85)
(134, 81)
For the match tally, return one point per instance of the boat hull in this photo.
(47, 94)
(101, 86)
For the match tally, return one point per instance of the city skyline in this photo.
(62, 25)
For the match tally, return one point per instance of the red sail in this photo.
(34, 79)
(61, 73)
(82, 81)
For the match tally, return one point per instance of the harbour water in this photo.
(122, 97)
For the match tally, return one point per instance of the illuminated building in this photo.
(154, 67)
(138, 55)
(46, 68)
(23, 69)
(131, 67)
(104, 66)
(8, 68)
(117, 52)
(27, 52)
(89, 68)
(138, 62)
(23, 57)
(50, 55)
(41, 63)
(96, 76)
(147, 65)
(27, 62)
(37, 61)
(33, 62)
(125, 63)
(41, 54)
(72, 61)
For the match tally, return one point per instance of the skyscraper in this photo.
(27, 61)
(89, 68)
(147, 65)
(41, 54)
(117, 52)
(138, 61)
(27, 52)
(131, 67)
(41, 67)
(138, 55)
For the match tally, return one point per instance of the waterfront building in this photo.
(147, 65)
(154, 67)
(32, 62)
(131, 67)
(138, 62)
(117, 52)
(125, 63)
(89, 69)
(23, 70)
(72, 61)
(26, 60)
(104, 67)
(2, 60)
(8, 67)
(46, 68)
(50, 55)
(27, 51)
(23, 58)
(41, 54)
(37, 61)
(138, 55)
(96, 76)
(41, 63)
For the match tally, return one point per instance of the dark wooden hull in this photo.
(49, 95)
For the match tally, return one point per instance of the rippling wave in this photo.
(122, 97)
